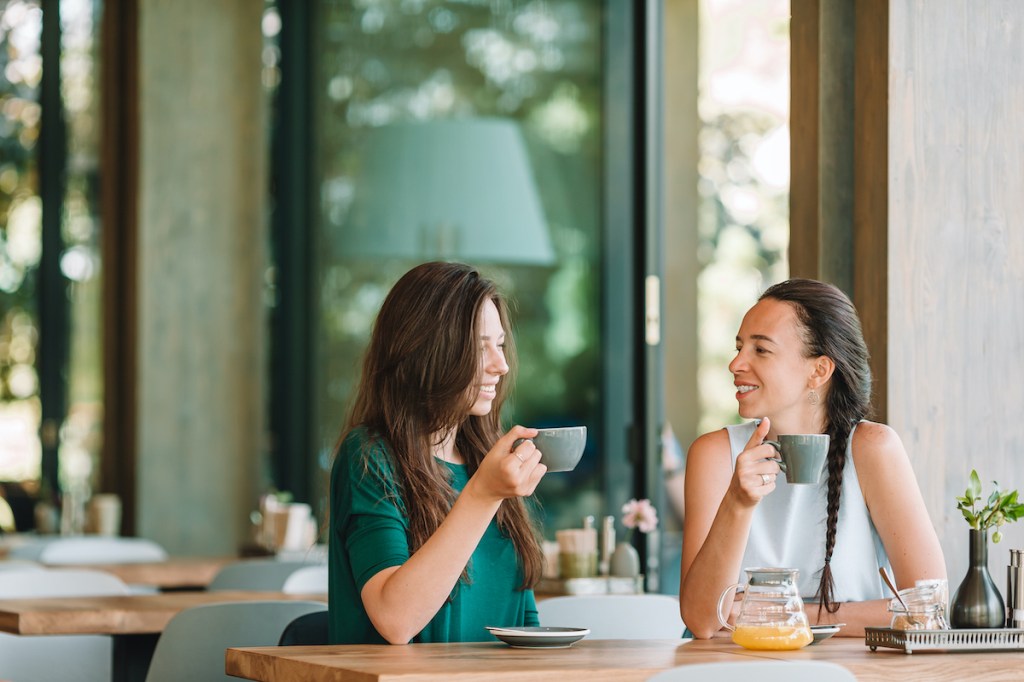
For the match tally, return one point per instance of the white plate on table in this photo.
(823, 632)
(539, 637)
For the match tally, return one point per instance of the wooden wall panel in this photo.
(956, 253)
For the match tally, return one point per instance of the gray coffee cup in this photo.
(560, 448)
(802, 456)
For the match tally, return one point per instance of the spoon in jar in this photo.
(892, 586)
(888, 581)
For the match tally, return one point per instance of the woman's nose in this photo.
(496, 362)
(737, 363)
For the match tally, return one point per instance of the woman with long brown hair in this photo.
(801, 366)
(430, 539)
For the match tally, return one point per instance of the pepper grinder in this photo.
(1015, 590)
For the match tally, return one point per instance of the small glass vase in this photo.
(625, 561)
(977, 602)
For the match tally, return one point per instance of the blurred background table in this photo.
(133, 621)
(176, 573)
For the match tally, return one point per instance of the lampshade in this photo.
(453, 189)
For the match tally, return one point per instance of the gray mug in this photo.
(802, 456)
(560, 448)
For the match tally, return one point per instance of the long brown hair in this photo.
(831, 327)
(422, 361)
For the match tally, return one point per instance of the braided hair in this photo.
(830, 327)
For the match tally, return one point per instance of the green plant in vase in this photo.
(977, 603)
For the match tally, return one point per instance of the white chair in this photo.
(20, 565)
(307, 580)
(613, 616)
(192, 646)
(265, 575)
(762, 671)
(60, 582)
(57, 657)
(89, 549)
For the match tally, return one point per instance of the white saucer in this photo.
(539, 637)
(823, 632)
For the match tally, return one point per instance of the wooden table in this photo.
(133, 621)
(174, 573)
(594, 661)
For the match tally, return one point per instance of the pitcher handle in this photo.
(721, 600)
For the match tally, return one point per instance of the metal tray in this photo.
(980, 639)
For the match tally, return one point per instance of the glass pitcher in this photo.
(771, 613)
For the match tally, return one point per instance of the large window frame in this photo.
(630, 237)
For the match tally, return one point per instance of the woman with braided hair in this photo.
(801, 366)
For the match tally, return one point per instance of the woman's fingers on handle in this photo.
(756, 450)
(756, 467)
(526, 469)
(512, 467)
(760, 433)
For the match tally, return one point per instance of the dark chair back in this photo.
(308, 629)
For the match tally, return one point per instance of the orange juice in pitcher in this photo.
(772, 637)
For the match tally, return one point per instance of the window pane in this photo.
(81, 434)
(423, 110)
(20, 238)
(744, 180)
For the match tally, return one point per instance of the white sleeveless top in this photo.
(788, 530)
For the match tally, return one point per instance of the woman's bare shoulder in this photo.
(711, 444)
(713, 440)
(874, 438)
(878, 453)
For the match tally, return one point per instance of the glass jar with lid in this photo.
(923, 607)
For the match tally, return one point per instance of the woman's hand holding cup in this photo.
(511, 469)
(756, 468)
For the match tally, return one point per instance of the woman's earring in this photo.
(812, 397)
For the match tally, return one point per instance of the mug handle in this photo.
(778, 446)
(721, 600)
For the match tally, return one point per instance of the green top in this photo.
(369, 533)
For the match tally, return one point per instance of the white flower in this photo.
(640, 514)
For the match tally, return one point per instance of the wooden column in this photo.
(821, 125)
(838, 171)
(119, 212)
(871, 189)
